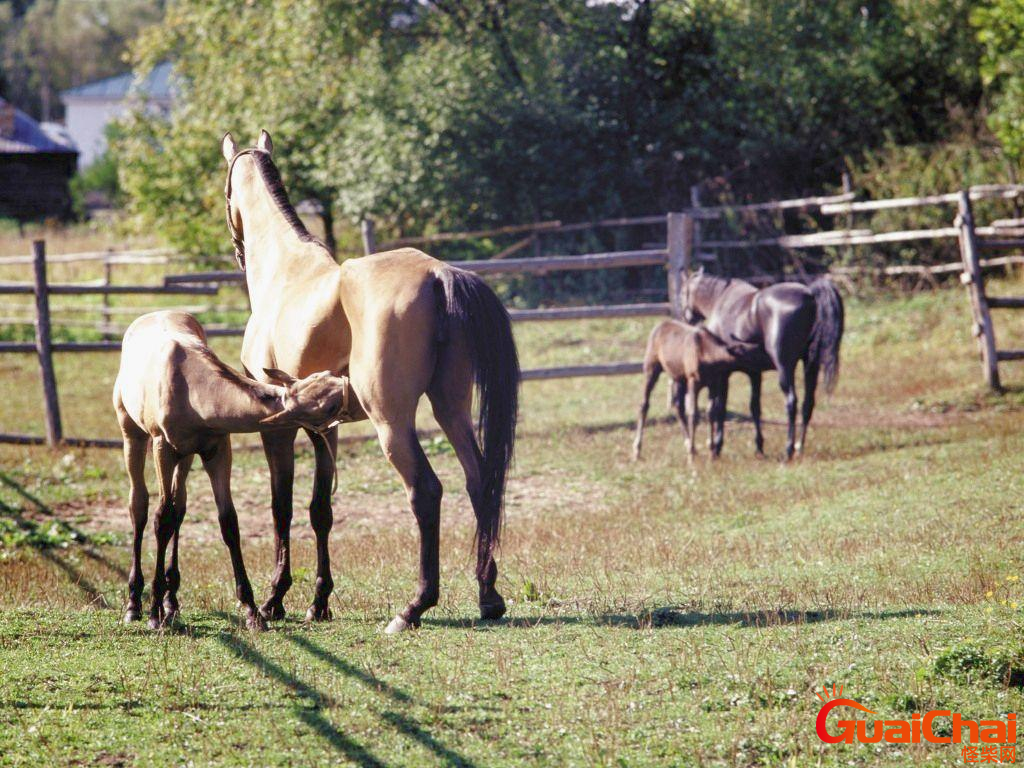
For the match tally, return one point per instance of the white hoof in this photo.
(398, 624)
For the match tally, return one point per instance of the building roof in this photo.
(156, 85)
(28, 137)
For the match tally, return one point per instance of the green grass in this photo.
(658, 615)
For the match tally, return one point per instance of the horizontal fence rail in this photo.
(682, 247)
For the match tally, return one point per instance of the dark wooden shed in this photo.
(34, 169)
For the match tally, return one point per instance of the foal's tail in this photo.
(472, 306)
(827, 333)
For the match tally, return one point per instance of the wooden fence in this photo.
(682, 245)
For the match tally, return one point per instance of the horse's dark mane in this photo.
(272, 179)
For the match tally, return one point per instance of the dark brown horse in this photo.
(790, 322)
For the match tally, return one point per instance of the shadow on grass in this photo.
(671, 616)
(41, 537)
(315, 719)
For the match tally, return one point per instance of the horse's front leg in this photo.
(755, 411)
(279, 448)
(321, 517)
(719, 399)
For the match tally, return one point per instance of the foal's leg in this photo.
(755, 411)
(810, 385)
(135, 444)
(402, 448)
(173, 575)
(321, 517)
(457, 423)
(217, 463)
(651, 373)
(279, 448)
(165, 459)
(685, 405)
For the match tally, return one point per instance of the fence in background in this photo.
(683, 246)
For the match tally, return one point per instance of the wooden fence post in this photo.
(54, 433)
(369, 236)
(108, 270)
(974, 281)
(695, 226)
(680, 257)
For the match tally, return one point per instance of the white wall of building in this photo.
(86, 120)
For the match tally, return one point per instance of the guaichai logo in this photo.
(909, 731)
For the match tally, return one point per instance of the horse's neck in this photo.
(276, 251)
(230, 402)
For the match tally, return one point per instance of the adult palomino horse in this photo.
(791, 322)
(400, 325)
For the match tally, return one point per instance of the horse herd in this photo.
(366, 339)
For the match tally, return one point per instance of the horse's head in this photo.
(318, 402)
(688, 286)
(237, 186)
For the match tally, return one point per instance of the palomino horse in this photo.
(791, 322)
(400, 325)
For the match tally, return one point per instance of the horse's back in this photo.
(154, 344)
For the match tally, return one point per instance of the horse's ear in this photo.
(228, 147)
(264, 142)
(278, 376)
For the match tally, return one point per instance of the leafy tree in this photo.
(1000, 25)
(52, 45)
(456, 113)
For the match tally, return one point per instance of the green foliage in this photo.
(1000, 27)
(972, 662)
(434, 116)
(51, 45)
(971, 156)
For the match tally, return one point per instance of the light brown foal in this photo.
(400, 324)
(694, 358)
(172, 389)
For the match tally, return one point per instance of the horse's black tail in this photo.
(828, 330)
(472, 306)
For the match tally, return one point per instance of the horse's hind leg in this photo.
(402, 448)
(321, 518)
(279, 448)
(684, 400)
(787, 384)
(135, 444)
(810, 385)
(457, 424)
(165, 460)
(651, 374)
(719, 395)
(173, 575)
(217, 463)
(755, 411)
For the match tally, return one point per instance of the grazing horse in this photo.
(790, 321)
(694, 358)
(172, 389)
(400, 325)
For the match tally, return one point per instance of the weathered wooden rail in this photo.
(683, 245)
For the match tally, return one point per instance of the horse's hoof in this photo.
(155, 623)
(397, 625)
(256, 622)
(272, 611)
(132, 614)
(318, 614)
(492, 610)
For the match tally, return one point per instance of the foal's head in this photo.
(319, 402)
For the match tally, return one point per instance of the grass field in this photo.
(658, 615)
